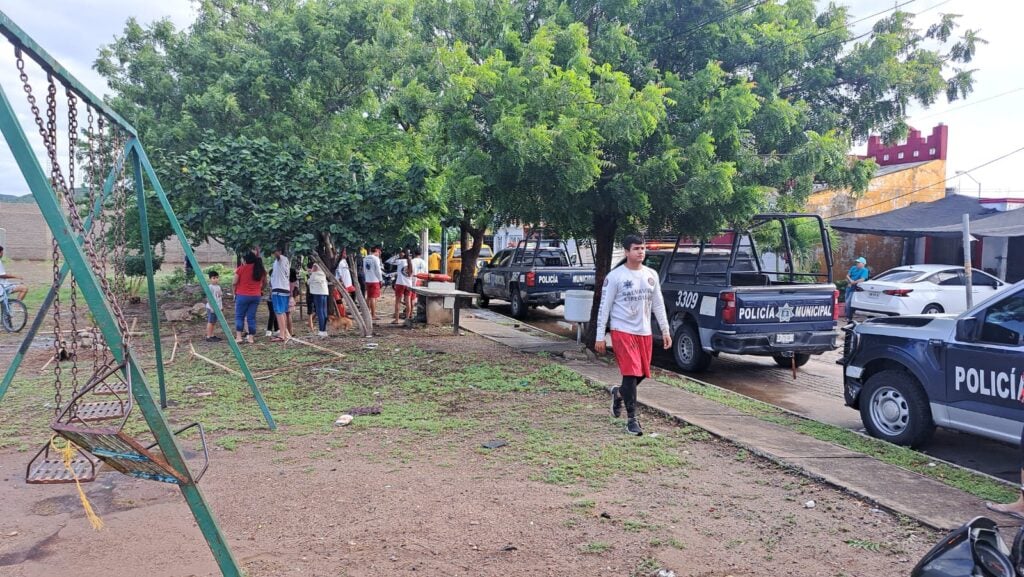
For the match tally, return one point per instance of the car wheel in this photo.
(686, 349)
(787, 362)
(518, 306)
(933, 309)
(483, 299)
(893, 407)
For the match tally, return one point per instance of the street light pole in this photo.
(968, 175)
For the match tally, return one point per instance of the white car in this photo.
(923, 289)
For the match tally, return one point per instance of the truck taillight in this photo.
(531, 278)
(898, 292)
(835, 305)
(729, 310)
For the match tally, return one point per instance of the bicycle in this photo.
(13, 313)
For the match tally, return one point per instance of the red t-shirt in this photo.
(246, 286)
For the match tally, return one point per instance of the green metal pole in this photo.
(147, 252)
(51, 295)
(104, 316)
(190, 255)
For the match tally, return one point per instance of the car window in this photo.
(904, 275)
(942, 277)
(457, 253)
(1004, 321)
(654, 261)
(979, 278)
(954, 279)
(485, 252)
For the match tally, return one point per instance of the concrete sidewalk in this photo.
(926, 500)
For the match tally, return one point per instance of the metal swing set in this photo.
(89, 428)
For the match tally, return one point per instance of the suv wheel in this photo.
(481, 300)
(518, 306)
(894, 408)
(686, 349)
(787, 362)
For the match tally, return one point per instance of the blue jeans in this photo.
(245, 310)
(320, 303)
(849, 305)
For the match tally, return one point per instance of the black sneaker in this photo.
(213, 339)
(633, 428)
(616, 403)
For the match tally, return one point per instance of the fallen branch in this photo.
(211, 361)
(318, 347)
(174, 350)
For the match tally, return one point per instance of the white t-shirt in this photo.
(3, 281)
(217, 293)
(343, 273)
(318, 282)
(372, 270)
(419, 266)
(279, 274)
(629, 297)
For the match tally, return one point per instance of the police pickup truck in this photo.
(536, 272)
(907, 375)
(739, 292)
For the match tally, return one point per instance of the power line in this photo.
(715, 20)
(859, 20)
(943, 181)
(969, 104)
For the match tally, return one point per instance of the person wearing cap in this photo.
(858, 274)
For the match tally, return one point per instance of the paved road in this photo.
(817, 393)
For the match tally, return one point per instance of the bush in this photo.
(135, 265)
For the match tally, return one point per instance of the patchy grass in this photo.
(978, 485)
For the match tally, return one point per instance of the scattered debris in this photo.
(809, 504)
(211, 361)
(343, 420)
(325, 370)
(494, 444)
(510, 547)
(370, 346)
(605, 515)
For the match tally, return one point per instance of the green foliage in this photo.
(135, 264)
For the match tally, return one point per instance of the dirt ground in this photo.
(412, 491)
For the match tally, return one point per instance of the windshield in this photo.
(899, 275)
(485, 252)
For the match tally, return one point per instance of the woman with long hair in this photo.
(249, 280)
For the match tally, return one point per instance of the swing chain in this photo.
(72, 207)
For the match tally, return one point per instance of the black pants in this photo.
(628, 392)
(272, 318)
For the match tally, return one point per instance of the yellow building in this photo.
(909, 172)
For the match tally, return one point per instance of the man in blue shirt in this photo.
(858, 274)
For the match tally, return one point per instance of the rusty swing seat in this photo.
(109, 444)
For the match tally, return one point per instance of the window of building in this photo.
(931, 151)
(899, 156)
(885, 157)
(917, 153)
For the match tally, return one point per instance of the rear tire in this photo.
(787, 362)
(518, 306)
(933, 309)
(893, 407)
(14, 316)
(687, 351)
(482, 300)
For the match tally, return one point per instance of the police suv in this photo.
(908, 375)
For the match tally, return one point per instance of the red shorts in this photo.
(632, 353)
(401, 290)
(373, 290)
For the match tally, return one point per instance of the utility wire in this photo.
(969, 104)
(943, 181)
(846, 25)
(715, 20)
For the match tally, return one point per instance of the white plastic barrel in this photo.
(578, 305)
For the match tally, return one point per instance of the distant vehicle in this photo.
(455, 260)
(537, 272)
(907, 375)
(923, 289)
(739, 293)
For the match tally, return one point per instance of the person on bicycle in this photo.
(18, 290)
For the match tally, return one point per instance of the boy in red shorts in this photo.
(374, 274)
(631, 293)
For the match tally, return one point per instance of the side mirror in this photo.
(966, 329)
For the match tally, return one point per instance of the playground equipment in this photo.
(89, 428)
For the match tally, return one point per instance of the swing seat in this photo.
(125, 454)
(47, 469)
(108, 381)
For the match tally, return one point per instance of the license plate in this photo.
(784, 338)
(874, 294)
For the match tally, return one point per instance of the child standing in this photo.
(211, 312)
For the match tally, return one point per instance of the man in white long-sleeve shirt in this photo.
(630, 294)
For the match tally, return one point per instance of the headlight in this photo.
(480, 264)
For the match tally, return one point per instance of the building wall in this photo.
(922, 183)
(28, 238)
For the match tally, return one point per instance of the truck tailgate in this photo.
(560, 279)
(802, 304)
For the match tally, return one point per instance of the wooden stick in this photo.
(174, 350)
(50, 360)
(135, 321)
(211, 361)
(318, 347)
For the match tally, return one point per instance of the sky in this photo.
(986, 126)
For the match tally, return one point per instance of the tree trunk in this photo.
(469, 233)
(605, 228)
